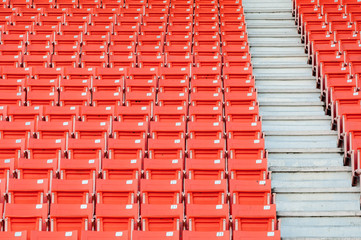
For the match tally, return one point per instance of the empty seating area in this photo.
(130, 120)
(331, 33)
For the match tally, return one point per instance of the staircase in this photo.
(313, 189)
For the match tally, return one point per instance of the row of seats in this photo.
(331, 32)
(131, 149)
(134, 169)
(132, 113)
(136, 130)
(118, 217)
(136, 235)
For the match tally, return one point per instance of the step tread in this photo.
(310, 169)
(316, 190)
(319, 214)
(300, 118)
(305, 150)
(301, 133)
(296, 103)
(298, 90)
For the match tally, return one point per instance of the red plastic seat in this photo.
(36, 168)
(200, 99)
(116, 217)
(23, 235)
(205, 169)
(12, 148)
(246, 130)
(248, 169)
(161, 191)
(94, 61)
(162, 217)
(141, 98)
(239, 149)
(69, 235)
(42, 98)
(42, 86)
(126, 149)
(51, 130)
(121, 169)
(133, 114)
(97, 114)
(116, 191)
(250, 192)
(109, 235)
(129, 130)
(122, 61)
(74, 98)
(71, 217)
(148, 235)
(85, 148)
(206, 149)
(7, 167)
(25, 217)
(165, 149)
(167, 130)
(163, 169)
(242, 113)
(71, 191)
(254, 218)
(206, 192)
(206, 113)
(91, 130)
(45, 148)
(205, 130)
(16, 130)
(79, 168)
(60, 114)
(257, 234)
(192, 235)
(27, 191)
(207, 217)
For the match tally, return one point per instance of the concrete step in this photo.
(260, 9)
(261, 58)
(321, 179)
(270, 22)
(296, 141)
(341, 226)
(276, 84)
(273, 31)
(289, 97)
(295, 151)
(278, 50)
(324, 159)
(304, 201)
(268, 5)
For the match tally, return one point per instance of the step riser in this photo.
(317, 202)
(325, 227)
(277, 50)
(285, 85)
(272, 31)
(319, 179)
(301, 141)
(283, 60)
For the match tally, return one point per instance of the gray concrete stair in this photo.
(314, 196)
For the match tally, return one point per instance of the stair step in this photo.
(325, 225)
(304, 150)
(329, 179)
(301, 133)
